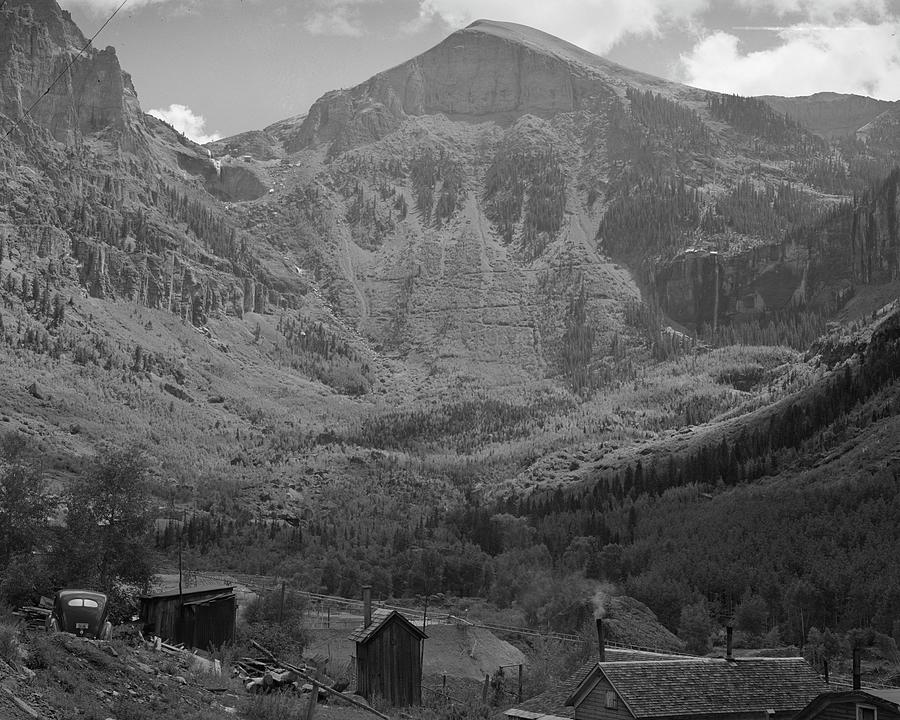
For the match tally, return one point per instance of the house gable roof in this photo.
(885, 698)
(707, 686)
(552, 703)
(380, 619)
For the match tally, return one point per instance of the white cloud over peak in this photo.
(185, 121)
(339, 20)
(336, 17)
(595, 25)
(855, 57)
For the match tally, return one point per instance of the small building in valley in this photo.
(198, 617)
(388, 657)
(860, 704)
(713, 688)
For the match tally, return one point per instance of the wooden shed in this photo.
(389, 658)
(198, 617)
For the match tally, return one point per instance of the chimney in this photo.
(729, 642)
(601, 643)
(857, 672)
(367, 605)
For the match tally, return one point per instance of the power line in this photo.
(65, 69)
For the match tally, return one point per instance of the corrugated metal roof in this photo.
(380, 618)
(708, 686)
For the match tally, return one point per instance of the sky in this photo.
(214, 68)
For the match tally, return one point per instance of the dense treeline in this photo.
(675, 122)
(650, 216)
(437, 181)
(753, 116)
(533, 181)
(316, 351)
(635, 507)
(465, 426)
(765, 212)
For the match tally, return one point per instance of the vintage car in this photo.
(80, 612)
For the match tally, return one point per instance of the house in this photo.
(861, 704)
(199, 617)
(388, 656)
(551, 704)
(714, 688)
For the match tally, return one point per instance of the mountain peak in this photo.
(488, 69)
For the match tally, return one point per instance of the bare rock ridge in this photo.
(38, 41)
(487, 69)
(829, 114)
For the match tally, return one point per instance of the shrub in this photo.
(9, 642)
(277, 706)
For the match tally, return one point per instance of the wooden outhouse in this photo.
(389, 658)
(199, 617)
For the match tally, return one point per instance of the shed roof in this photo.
(708, 686)
(887, 698)
(381, 618)
(196, 590)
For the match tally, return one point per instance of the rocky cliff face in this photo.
(488, 70)
(97, 193)
(38, 44)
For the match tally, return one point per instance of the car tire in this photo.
(106, 631)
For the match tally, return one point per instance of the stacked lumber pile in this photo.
(35, 616)
(260, 676)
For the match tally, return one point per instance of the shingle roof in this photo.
(380, 618)
(891, 695)
(709, 686)
(553, 702)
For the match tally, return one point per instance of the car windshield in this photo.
(83, 602)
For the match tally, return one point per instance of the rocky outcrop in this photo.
(37, 46)
(486, 70)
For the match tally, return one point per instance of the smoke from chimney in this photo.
(599, 602)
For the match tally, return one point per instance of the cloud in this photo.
(856, 58)
(337, 20)
(596, 25)
(337, 17)
(183, 119)
(824, 11)
(107, 6)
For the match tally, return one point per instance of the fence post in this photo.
(313, 699)
(519, 696)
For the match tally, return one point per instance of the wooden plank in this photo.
(22, 705)
(309, 679)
